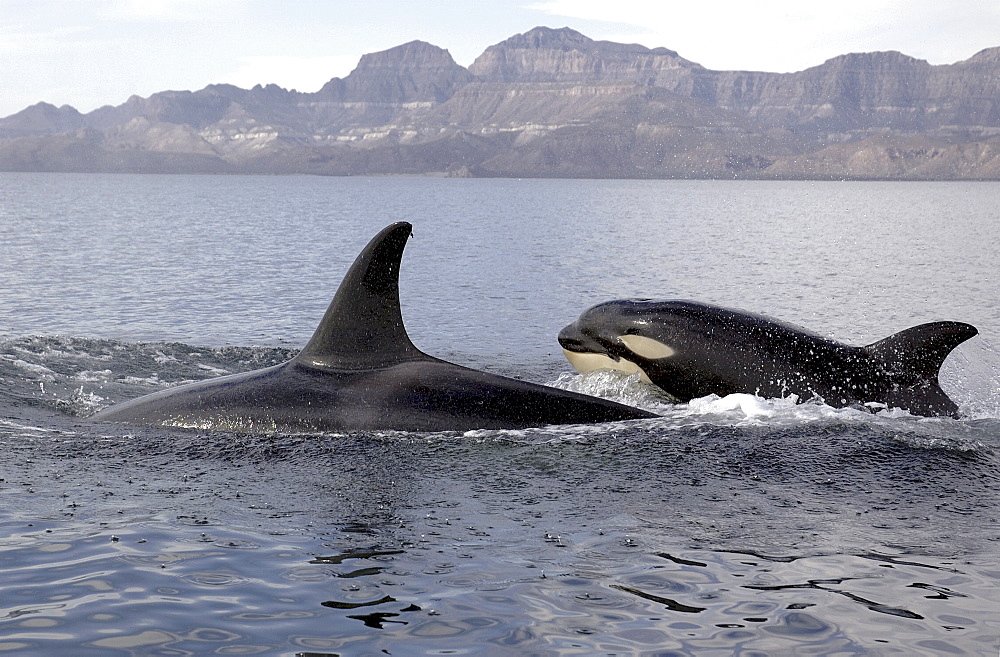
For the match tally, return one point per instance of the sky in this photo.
(89, 53)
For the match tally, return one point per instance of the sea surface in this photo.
(733, 526)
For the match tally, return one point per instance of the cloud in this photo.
(305, 74)
(783, 35)
(17, 39)
(169, 10)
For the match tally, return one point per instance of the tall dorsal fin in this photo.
(917, 353)
(363, 327)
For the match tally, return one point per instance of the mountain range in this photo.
(549, 103)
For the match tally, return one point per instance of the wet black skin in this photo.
(723, 351)
(361, 372)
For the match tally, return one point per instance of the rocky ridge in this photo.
(550, 103)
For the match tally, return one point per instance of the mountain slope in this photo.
(549, 102)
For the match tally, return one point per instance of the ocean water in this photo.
(726, 526)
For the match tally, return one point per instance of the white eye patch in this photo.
(646, 347)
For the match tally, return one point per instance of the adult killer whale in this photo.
(359, 371)
(691, 350)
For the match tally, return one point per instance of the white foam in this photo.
(10, 424)
(93, 376)
(151, 380)
(737, 408)
(82, 403)
(215, 371)
(750, 406)
(34, 368)
(161, 358)
(617, 386)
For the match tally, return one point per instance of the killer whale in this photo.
(360, 371)
(691, 350)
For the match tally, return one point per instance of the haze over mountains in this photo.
(549, 103)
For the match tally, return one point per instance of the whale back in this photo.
(360, 372)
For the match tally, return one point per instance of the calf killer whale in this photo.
(361, 372)
(691, 350)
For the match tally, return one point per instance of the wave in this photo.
(754, 462)
(76, 377)
(80, 375)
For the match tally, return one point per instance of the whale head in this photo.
(618, 335)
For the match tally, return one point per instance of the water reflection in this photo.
(592, 592)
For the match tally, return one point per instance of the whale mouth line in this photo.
(591, 361)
